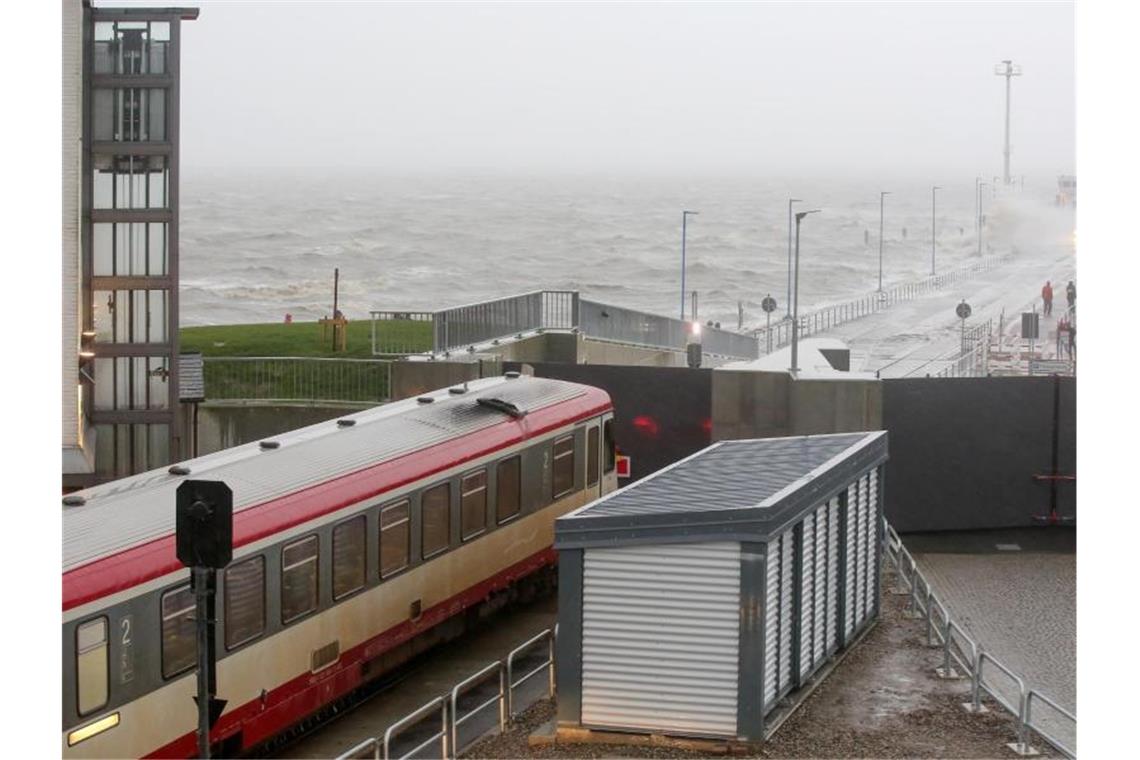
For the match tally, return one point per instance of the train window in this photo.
(473, 504)
(179, 643)
(435, 506)
(245, 601)
(91, 664)
(563, 466)
(348, 557)
(592, 456)
(508, 495)
(299, 578)
(611, 450)
(395, 538)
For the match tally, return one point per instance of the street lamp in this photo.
(684, 228)
(882, 194)
(981, 183)
(788, 314)
(796, 293)
(933, 229)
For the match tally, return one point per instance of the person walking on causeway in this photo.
(1071, 294)
(1047, 298)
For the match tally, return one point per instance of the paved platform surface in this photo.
(1020, 606)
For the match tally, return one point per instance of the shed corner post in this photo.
(880, 535)
(750, 675)
(568, 646)
(797, 604)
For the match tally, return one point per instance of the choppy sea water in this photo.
(256, 246)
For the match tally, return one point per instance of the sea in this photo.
(257, 245)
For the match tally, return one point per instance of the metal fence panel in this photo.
(277, 378)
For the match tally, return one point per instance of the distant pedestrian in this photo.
(1071, 294)
(1072, 341)
(1047, 298)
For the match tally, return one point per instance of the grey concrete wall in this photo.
(414, 378)
(751, 404)
(964, 451)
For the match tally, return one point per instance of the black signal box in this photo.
(204, 523)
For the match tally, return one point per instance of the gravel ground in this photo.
(883, 701)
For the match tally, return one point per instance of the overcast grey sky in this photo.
(754, 87)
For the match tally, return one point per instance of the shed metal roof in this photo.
(132, 511)
(732, 489)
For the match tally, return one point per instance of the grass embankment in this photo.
(331, 381)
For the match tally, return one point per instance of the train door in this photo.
(609, 456)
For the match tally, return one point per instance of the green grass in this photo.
(327, 381)
(302, 339)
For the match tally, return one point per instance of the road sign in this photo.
(963, 311)
(768, 304)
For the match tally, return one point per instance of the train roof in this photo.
(123, 514)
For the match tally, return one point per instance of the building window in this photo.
(592, 454)
(348, 557)
(128, 114)
(435, 507)
(395, 537)
(563, 466)
(131, 316)
(611, 449)
(130, 182)
(132, 382)
(508, 496)
(245, 601)
(299, 578)
(91, 663)
(473, 504)
(129, 249)
(179, 643)
(131, 47)
(122, 450)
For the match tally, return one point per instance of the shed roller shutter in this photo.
(851, 546)
(832, 574)
(807, 596)
(661, 638)
(787, 596)
(772, 625)
(819, 619)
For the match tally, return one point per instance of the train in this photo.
(357, 543)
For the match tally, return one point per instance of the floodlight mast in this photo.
(1008, 70)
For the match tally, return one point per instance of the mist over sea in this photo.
(258, 245)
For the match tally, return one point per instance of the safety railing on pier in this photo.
(779, 334)
(449, 724)
(462, 328)
(962, 656)
(268, 379)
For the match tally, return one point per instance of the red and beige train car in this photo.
(358, 542)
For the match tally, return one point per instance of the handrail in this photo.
(1067, 751)
(547, 664)
(922, 603)
(357, 752)
(436, 704)
(456, 721)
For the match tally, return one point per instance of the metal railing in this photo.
(829, 317)
(958, 648)
(453, 714)
(285, 378)
(546, 636)
(604, 322)
(462, 328)
(471, 684)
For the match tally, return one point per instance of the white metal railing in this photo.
(958, 648)
(547, 665)
(290, 378)
(449, 706)
(828, 317)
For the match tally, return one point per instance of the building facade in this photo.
(120, 250)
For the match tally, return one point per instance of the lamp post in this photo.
(684, 230)
(882, 194)
(980, 184)
(788, 313)
(796, 293)
(933, 229)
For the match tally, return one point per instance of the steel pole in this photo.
(202, 605)
(933, 225)
(1008, 75)
(882, 196)
(796, 304)
(788, 311)
(684, 221)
